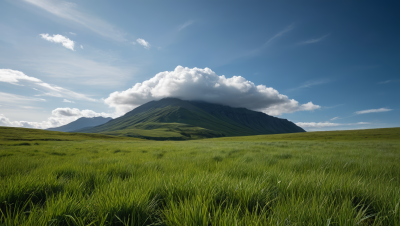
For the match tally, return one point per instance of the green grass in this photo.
(318, 178)
(165, 131)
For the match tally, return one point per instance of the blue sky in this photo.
(323, 65)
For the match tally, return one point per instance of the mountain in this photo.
(81, 123)
(175, 119)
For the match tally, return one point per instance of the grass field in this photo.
(315, 178)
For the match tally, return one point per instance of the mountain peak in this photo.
(175, 117)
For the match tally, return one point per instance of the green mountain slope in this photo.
(81, 123)
(175, 119)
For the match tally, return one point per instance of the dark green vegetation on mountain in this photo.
(81, 123)
(318, 178)
(175, 119)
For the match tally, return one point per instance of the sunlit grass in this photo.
(257, 180)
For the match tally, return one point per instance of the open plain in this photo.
(315, 178)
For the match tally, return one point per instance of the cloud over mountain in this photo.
(204, 84)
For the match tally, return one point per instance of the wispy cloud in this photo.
(287, 29)
(372, 111)
(68, 101)
(312, 83)
(332, 119)
(81, 46)
(143, 43)
(313, 40)
(72, 33)
(389, 81)
(263, 46)
(66, 42)
(15, 77)
(186, 24)
(327, 124)
(70, 11)
(14, 98)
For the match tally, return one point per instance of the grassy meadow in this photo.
(315, 178)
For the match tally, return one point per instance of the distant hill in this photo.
(175, 119)
(81, 123)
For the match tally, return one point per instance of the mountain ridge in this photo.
(81, 123)
(192, 119)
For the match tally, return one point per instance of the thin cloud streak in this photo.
(255, 51)
(15, 77)
(388, 81)
(14, 98)
(314, 40)
(312, 83)
(69, 11)
(327, 124)
(186, 24)
(372, 111)
(287, 29)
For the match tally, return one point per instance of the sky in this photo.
(322, 65)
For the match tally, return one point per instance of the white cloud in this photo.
(327, 124)
(143, 43)
(68, 101)
(372, 111)
(60, 116)
(332, 119)
(206, 85)
(66, 42)
(187, 23)
(75, 112)
(15, 77)
(314, 40)
(72, 33)
(81, 46)
(70, 11)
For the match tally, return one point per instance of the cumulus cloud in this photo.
(206, 85)
(59, 117)
(372, 111)
(327, 124)
(66, 42)
(143, 43)
(16, 77)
